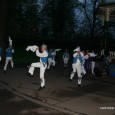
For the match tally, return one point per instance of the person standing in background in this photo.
(9, 57)
(51, 58)
(66, 58)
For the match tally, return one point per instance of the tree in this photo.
(23, 17)
(90, 11)
(3, 21)
(61, 15)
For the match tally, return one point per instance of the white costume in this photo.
(92, 56)
(66, 58)
(82, 67)
(51, 57)
(77, 65)
(9, 57)
(42, 65)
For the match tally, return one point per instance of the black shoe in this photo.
(41, 88)
(13, 68)
(28, 74)
(70, 80)
(4, 71)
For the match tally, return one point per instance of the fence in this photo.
(106, 2)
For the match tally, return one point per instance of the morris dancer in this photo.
(83, 68)
(87, 62)
(66, 58)
(9, 57)
(93, 61)
(42, 64)
(51, 57)
(77, 65)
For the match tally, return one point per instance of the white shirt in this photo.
(43, 54)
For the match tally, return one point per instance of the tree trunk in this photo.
(3, 18)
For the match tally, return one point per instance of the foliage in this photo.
(23, 17)
(57, 19)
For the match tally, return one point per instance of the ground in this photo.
(19, 94)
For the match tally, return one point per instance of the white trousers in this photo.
(42, 71)
(65, 60)
(7, 61)
(83, 70)
(50, 62)
(0, 58)
(92, 67)
(77, 68)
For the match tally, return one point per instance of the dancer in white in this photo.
(9, 57)
(51, 57)
(93, 61)
(42, 65)
(83, 62)
(77, 65)
(66, 58)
